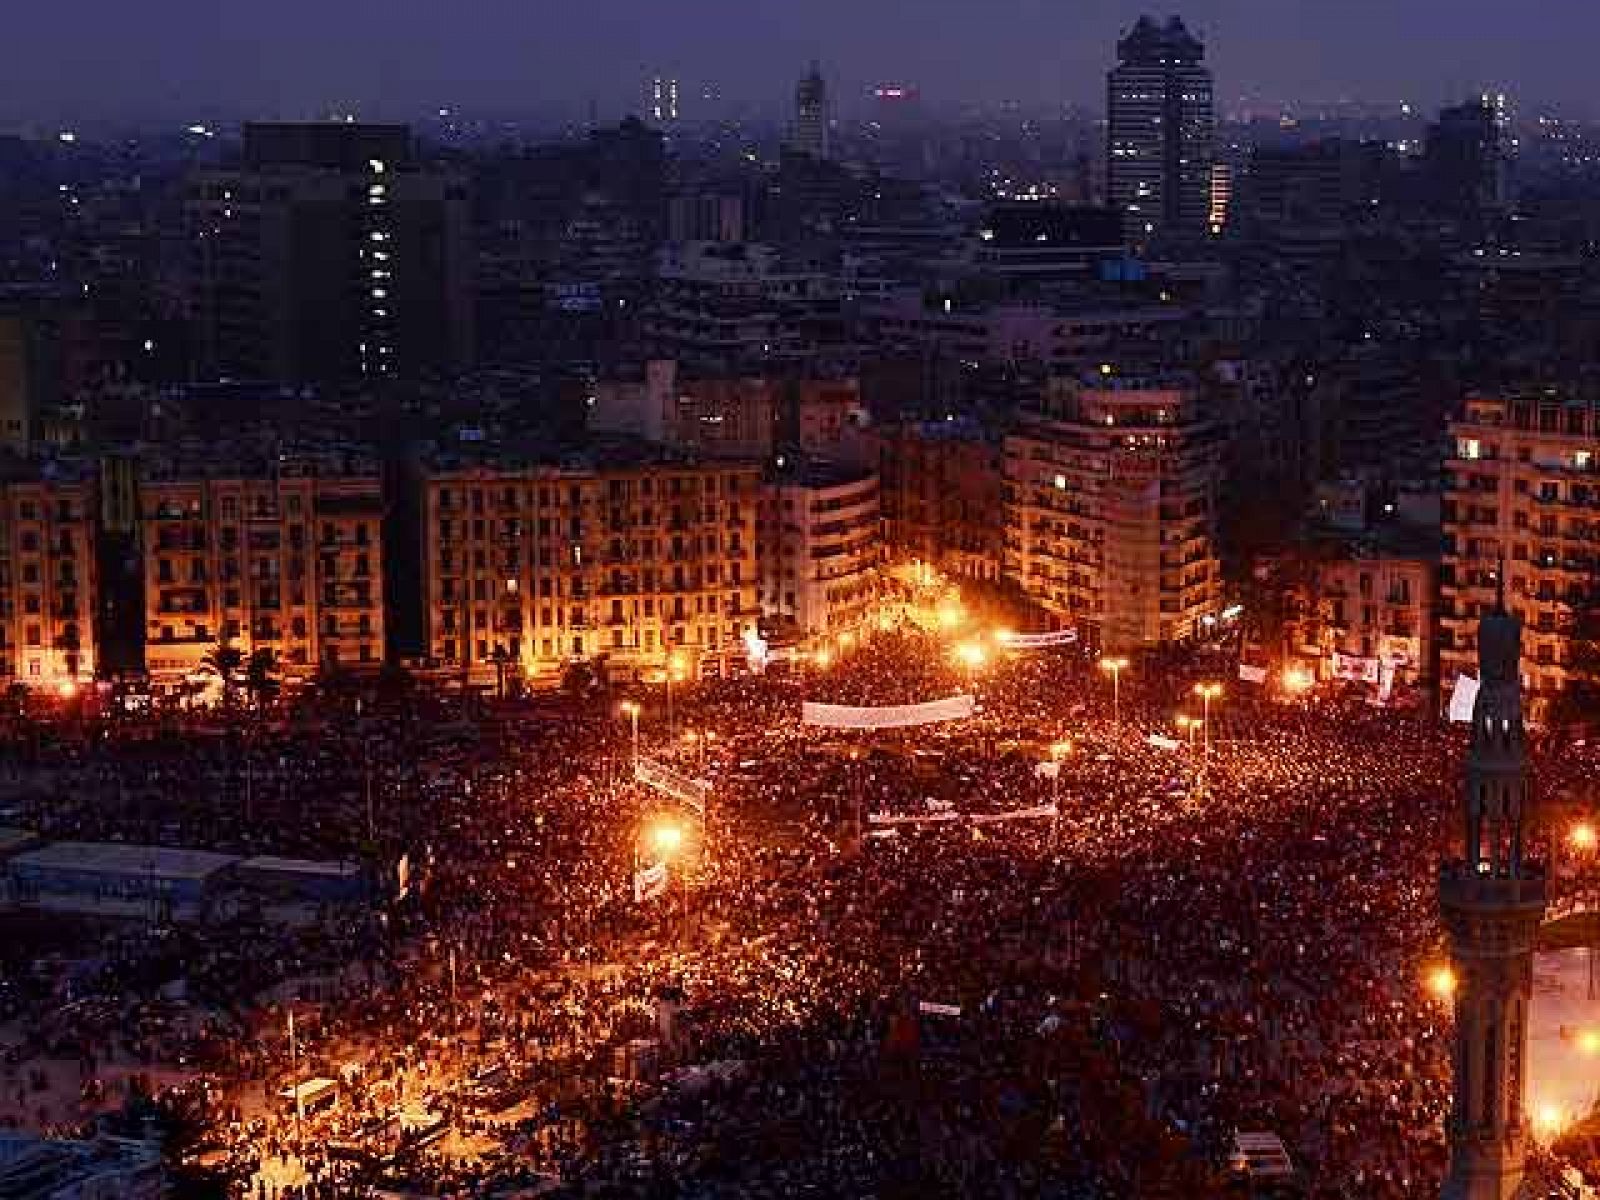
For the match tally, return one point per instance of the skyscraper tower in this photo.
(810, 134)
(1492, 902)
(1160, 132)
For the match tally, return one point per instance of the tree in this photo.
(261, 676)
(224, 660)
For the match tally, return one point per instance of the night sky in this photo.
(111, 60)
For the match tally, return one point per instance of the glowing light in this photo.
(1297, 680)
(1589, 1042)
(1442, 982)
(1113, 666)
(971, 655)
(1584, 837)
(1061, 749)
(823, 659)
(68, 689)
(667, 839)
(1208, 691)
(1548, 1121)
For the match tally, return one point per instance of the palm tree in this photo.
(224, 660)
(261, 676)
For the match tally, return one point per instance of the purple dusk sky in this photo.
(110, 60)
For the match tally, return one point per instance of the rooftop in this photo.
(117, 858)
(300, 866)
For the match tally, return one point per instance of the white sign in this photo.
(756, 651)
(649, 883)
(1038, 641)
(1463, 698)
(670, 782)
(1163, 743)
(1252, 674)
(1354, 668)
(893, 716)
(931, 1009)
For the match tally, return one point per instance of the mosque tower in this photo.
(1492, 902)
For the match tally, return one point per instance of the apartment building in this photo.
(47, 582)
(290, 561)
(1111, 509)
(820, 543)
(626, 561)
(1522, 489)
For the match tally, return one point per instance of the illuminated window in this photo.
(1471, 448)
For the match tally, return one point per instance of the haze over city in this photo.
(184, 59)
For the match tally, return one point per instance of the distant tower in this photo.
(811, 115)
(663, 100)
(1160, 130)
(1492, 903)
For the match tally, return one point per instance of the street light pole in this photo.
(1114, 667)
(1207, 692)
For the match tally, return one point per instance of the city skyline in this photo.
(224, 62)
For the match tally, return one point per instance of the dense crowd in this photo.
(1084, 1004)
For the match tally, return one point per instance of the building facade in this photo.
(1522, 499)
(810, 134)
(1160, 132)
(47, 584)
(820, 543)
(627, 566)
(291, 563)
(1111, 510)
(942, 484)
(330, 253)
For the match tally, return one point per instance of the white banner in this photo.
(671, 782)
(649, 883)
(1161, 742)
(1355, 669)
(1047, 770)
(1016, 814)
(931, 1009)
(944, 818)
(1386, 674)
(893, 716)
(1252, 674)
(1038, 641)
(1463, 698)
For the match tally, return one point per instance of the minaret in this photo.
(1492, 902)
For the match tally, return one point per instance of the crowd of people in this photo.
(833, 996)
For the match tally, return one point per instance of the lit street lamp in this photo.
(1114, 668)
(630, 709)
(1207, 693)
(1442, 983)
(1188, 724)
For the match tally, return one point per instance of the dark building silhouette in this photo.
(1467, 178)
(1160, 132)
(330, 253)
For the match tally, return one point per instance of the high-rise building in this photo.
(663, 100)
(330, 253)
(632, 564)
(1160, 132)
(810, 134)
(820, 544)
(1522, 500)
(1466, 161)
(1111, 510)
(289, 560)
(1492, 900)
